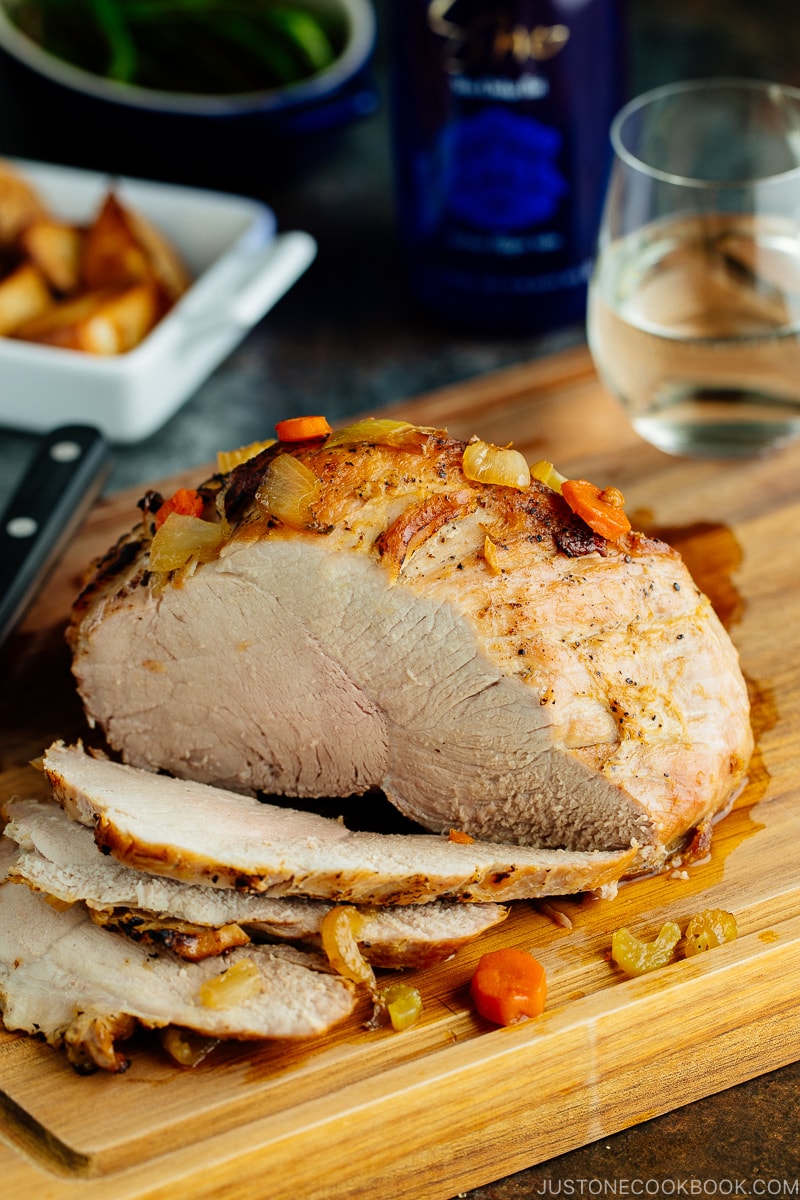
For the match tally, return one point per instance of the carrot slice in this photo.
(508, 986)
(601, 509)
(302, 429)
(186, 501)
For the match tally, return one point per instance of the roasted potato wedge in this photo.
(24, 295)
(55, 248)
(111, 255)
(121, 247)
(167, 267)
(19, 204)
(103, 322)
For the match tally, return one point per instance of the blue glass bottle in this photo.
(501, 113)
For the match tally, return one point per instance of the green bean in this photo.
(123, 58)
(219, 46)
(278, 54)
(306, 32)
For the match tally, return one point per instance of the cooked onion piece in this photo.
(485, 463)
(241, 982)
(289, 491)
(339, 933)
(228, 459)
(182, 538)
(381, 432)
(546, 473)
(185, 1047)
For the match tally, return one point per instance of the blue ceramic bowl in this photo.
(55, 111)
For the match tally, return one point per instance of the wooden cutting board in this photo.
(452, 1103)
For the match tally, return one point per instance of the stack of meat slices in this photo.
(207, 884)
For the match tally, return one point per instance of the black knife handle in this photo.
(52, 499)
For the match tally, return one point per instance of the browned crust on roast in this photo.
(107, 572)
(419, 522)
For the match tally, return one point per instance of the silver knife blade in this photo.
(63, 479)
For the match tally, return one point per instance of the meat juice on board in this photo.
(501, 115)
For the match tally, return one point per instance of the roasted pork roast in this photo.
(356, 612)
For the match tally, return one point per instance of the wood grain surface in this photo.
(454, 1103)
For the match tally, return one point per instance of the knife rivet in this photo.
(65, 451)
(22, 527)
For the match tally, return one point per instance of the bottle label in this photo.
(503, 170)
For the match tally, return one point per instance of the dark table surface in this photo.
(347, 339)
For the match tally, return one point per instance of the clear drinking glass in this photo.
(694, 304)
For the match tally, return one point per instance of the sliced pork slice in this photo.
(63, 977)
(59, 857)
(372, 617)
(200, 834)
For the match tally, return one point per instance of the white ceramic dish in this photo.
(240, 267)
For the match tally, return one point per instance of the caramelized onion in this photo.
(182, 538)
(185, 1047)
(485, 463)
(228, 459)
(546, 473)
(381, 432)
(288, 492)
(339, 933)
(239, 983)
